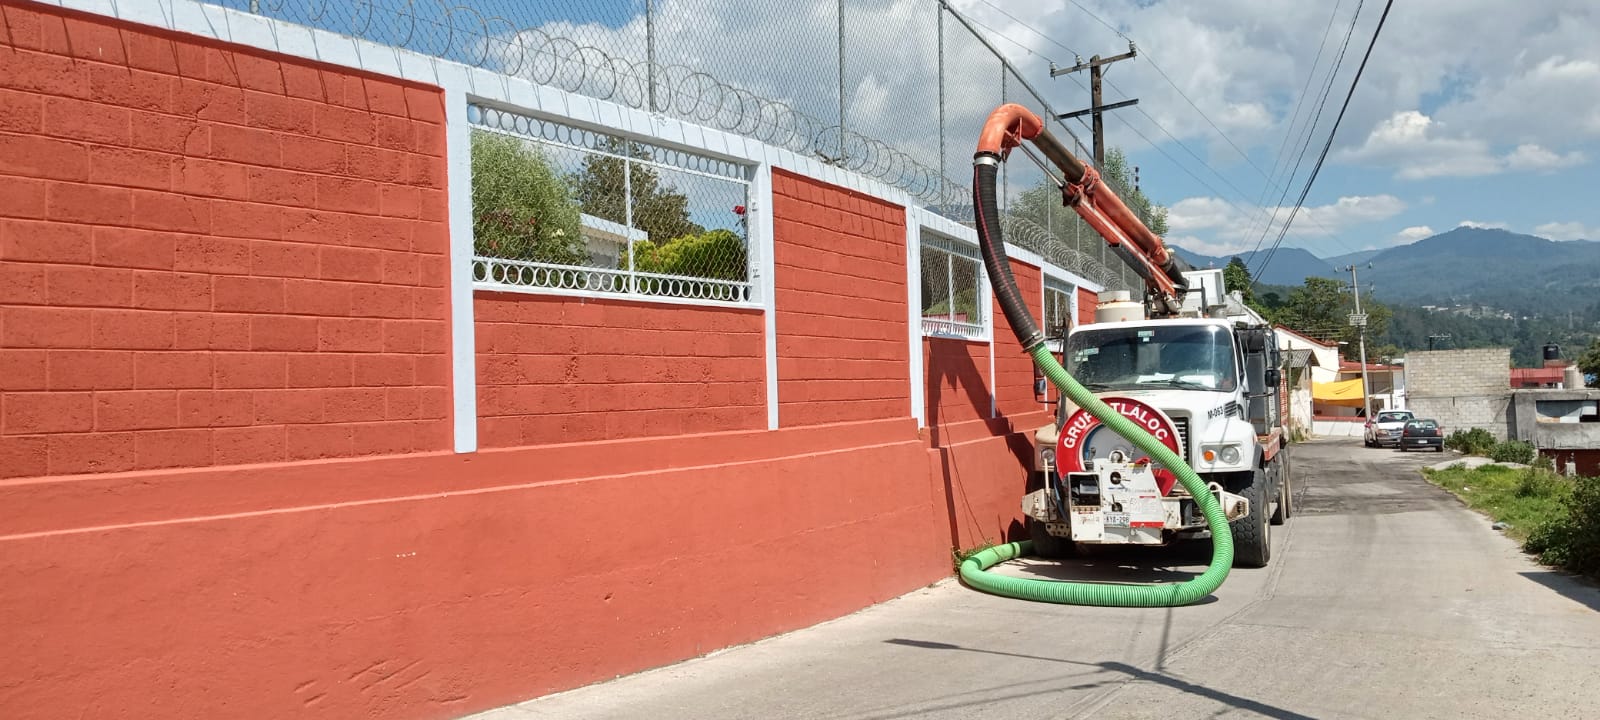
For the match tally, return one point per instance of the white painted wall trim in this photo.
(765, 284)
(463, 329)
(918, 363)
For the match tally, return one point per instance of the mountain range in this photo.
(1522, 274)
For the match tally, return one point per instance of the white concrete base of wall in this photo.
(1330, 428)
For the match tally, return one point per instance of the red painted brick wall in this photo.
(1013, 369)
(558, 370)
(210, 256)
(841, 304)
(956, 381)
(1087, 301)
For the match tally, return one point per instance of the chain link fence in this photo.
(893, 89)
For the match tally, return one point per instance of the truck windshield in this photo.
(1187, 357)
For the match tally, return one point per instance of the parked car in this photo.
(1384, 429)
(1422, 433)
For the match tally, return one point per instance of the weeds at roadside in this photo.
(1554, 517)
(959, 555)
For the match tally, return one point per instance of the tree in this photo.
(1319, 308)
(602, 190)
(520, 210)
(1236, 278)
(1589, 363)
(1116, 169)
(1042, 205)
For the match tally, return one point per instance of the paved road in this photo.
(1386, 599)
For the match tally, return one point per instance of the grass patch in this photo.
(1524, 499)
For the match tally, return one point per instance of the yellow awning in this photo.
(1345, 392)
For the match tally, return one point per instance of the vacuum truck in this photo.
(1197, 373)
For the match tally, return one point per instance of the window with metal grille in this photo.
(558, 208)
(1057, 311)
(954, 292)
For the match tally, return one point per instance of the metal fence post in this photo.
(650, 50)
(841, 82)
(944, 174)
(627, 210)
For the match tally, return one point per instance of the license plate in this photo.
(1117, 519)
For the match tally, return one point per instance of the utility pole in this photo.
(1096, 107)
(1359, 320)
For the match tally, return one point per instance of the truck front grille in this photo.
(1181, 424)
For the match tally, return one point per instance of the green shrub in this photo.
(1572, 541)
(715, 254)
(1476, 441)
(1514, 451)
(1541, 483)
(520, 206)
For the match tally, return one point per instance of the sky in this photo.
(1469, 112)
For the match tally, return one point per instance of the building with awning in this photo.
(1339, 393)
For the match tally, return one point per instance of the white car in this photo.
(1385, 429)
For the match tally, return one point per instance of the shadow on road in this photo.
(1576, 588)
(1133, 673)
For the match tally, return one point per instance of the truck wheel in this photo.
(1046, 545)
(1288, 483)
(1252, 534)
(1280, 468)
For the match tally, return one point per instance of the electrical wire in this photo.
(1335, 131)
(1270, 185)
(1294, 117)
(1306, 143)
(1260, 210)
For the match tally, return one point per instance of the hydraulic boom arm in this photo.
(1094, 201)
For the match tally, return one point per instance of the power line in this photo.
(1203, 115)
(1025, 26)
(1269, 183)
(1335, 131)
(1295, 116)
(1306, 143)
(1260, 212)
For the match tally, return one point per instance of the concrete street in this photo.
(1386, 598)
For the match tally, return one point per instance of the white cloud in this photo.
(1215, 249)
(1483, 225)
(1230, 227)
(1421, 147)
(1567, 231)
(1199, 213)
(1532, 157)
(1414, 233)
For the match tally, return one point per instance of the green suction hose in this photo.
(974, 568)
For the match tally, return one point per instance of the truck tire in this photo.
(1252, 534)
(1280, 469)
(1045, 545)
(1288, 483)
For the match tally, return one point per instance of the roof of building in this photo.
(1302, 336)
(1371, 367)
(1536, 375)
